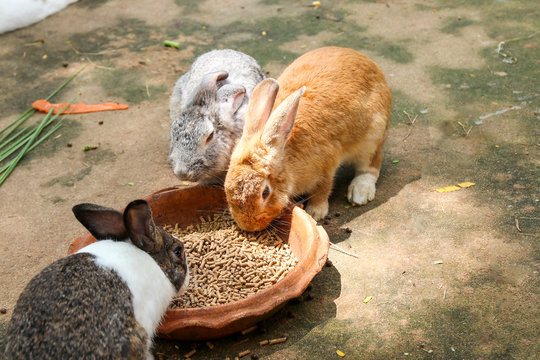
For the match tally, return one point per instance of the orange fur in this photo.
(342, 117)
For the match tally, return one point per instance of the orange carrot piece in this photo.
(80, 108)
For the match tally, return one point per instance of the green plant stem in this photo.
(20, 120)
(15, 161)
(39, 141)
(20, 142)
(18, 136)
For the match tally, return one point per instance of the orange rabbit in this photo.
(342, 117)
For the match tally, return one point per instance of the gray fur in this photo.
(60, 316)
(211, 98)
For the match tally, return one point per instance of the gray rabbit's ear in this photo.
(141, 227)
(210, 80)
(207, 92)
(102, 222)
(230, 97)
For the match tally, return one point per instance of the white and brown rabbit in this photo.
(106, 300)
(208, 107)
(342, 106)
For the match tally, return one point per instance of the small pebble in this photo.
(3, 311)
(101, 122)
(69, 145)
(337, 214)
(254, 356)
(65, 64)
(348, 230)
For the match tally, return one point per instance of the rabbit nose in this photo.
(182, 174)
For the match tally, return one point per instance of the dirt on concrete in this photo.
(451, 275)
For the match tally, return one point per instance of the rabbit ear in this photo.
(281, 122)
(103, 223)
(208, 88)
(141, 227)
(231, 97)
(210, 80)
(260, 105)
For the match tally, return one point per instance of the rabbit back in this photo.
(345, 94)
(76, 309)
(242, 69)
(343, 114)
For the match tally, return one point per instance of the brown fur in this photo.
(342, 117)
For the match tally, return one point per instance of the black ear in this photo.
(208, 88)
(141, 228)
(103, 223)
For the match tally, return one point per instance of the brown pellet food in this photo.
(227, 264)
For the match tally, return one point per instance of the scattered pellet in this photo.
(210, 345)
(3, 311)
(244, 353)
(277, 341)
(248, 330)
(264, 342)
(190, 354)
(228, 264)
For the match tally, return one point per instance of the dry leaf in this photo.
(456, 187)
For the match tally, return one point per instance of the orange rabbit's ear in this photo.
(260, 105)
(277, 130)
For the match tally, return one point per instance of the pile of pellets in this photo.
(227, 264)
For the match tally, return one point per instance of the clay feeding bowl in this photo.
(309, 244)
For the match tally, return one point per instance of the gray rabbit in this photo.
(208, 107)
(106, 300)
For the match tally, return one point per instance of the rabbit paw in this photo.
(362, 189)
(317, 211)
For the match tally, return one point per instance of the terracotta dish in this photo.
(185, 206)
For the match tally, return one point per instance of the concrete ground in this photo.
(451, 275)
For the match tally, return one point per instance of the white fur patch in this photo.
(362, 189)
(151, 289)
(19, 13)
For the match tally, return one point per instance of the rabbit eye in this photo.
(179, 251)
(210, 137)
(266, 192)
